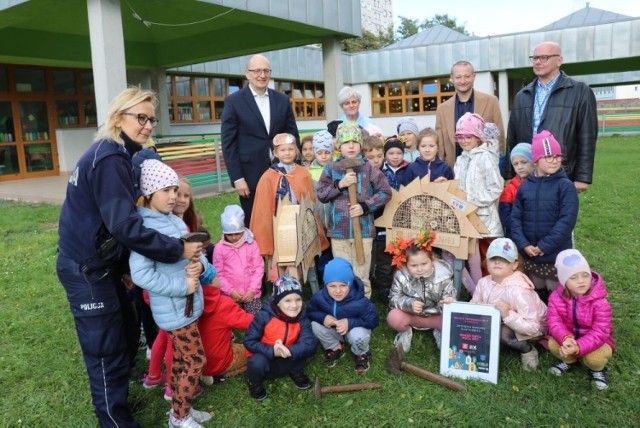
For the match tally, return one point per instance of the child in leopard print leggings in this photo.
(169, 286)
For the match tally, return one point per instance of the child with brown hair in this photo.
(307, 156)
(421, 285)
(380, 273)
(429, 163)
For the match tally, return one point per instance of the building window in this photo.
(198, 98)
(74, 98)
(307, 98)
(194, 99)
(410, 96)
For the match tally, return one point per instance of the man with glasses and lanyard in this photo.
(251, 118)
(564, 106)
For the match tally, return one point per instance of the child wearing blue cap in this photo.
(521, 160)
(340, 312)
(522, 312)
(279, 340)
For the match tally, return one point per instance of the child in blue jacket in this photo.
(544, 214)
(169, 284)
(340, 312)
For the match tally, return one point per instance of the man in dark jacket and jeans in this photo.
(559, 104)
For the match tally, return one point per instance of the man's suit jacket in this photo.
(485, 105)
(245, 140)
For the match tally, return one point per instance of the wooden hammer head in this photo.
(317, 389)
(394, 361)
(195, 237)
(348, 163)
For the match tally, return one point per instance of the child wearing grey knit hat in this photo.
(408, 133)
(521, 160)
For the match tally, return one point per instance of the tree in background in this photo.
(408, 27)
(369, 41)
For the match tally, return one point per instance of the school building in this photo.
(68, 58)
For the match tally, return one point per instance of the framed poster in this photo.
(470, 341)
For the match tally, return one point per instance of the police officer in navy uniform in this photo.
(98, 225)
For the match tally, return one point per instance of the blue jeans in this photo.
(101, 311)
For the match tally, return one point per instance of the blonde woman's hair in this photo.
(126, 99)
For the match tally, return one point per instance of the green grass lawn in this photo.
(44, 381)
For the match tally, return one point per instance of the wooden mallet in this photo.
(319, 391)
(349, 164)
(396, 363)
(192, 237)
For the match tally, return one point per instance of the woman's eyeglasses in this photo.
(143, 119)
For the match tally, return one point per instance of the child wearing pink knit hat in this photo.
(579, 319)
(544, 213)
(479, 174)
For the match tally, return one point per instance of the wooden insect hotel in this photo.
(440, 207)
(296, 241)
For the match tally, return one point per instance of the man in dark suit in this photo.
(466, 100)
(250, 119)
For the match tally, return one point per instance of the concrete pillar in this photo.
(333, 78)
(503, 90)
(159, 85)
(107, 52)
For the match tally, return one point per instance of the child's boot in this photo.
(301, 380)
(257, 391)
(530, 359)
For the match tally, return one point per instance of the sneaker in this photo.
(437, 335)
(199, 416)
(150, 383)
(404, 339)
(599, 379)
(560, 368)
(168, 394)
(331, 357)
(188, 422)
(530, 359)
(301, 380)
(257, 391)
(362, 363)
(210, 380)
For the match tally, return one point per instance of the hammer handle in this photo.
(441, 380)
(357, 231)
(349, 388)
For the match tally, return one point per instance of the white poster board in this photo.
(470, 341)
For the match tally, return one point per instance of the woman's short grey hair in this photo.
(346, 93)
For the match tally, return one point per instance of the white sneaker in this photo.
(437, 335)
(530, 359)
(188, 422)
(404, 339)
(200, 416)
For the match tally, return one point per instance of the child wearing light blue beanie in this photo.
(520, 158)
(341, 313)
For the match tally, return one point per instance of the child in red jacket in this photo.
(221, 315)
(579, 319)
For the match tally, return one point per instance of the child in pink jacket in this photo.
(513, 294)
(238, 261)
(579, 319)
